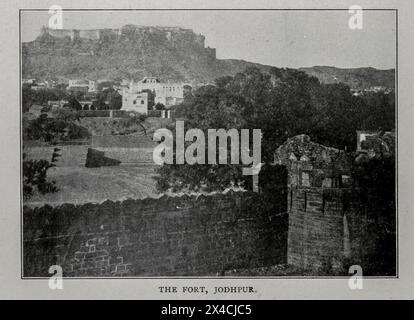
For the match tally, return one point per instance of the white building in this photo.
(166, 93)
(82, 85)
(92, 87)
(135, 101)
(29, 81)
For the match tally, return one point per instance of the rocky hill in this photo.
(357, 78)
(130, 52)
(169, 53)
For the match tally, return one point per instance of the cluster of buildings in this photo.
(140, 96)
(374, 89)
(135, 97)
(84, 86)
(37, 85)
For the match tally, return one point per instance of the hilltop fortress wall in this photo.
(174, 35)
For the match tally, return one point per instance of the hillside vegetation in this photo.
(139, 54)
(358, 78)
(131, 56)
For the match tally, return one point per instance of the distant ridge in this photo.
(170, 53)
(355, 78)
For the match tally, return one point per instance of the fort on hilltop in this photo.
(173, 35)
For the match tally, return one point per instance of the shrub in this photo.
(34, 176)
(62, 127)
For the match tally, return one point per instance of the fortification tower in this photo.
(322, 204)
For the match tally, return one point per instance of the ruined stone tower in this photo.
(324, 218)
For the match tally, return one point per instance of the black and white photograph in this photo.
(208, 143)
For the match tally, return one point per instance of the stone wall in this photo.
(323, 225)
(123, 141)
(334, 221)
(176, 37)
(138, 156)
(60, 33)
(89, 34)
(181, 236)
(310, 213)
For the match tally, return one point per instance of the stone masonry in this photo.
(171, 236)
(327, 223)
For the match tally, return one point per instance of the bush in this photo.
(62, 127)
(159, 106)
(142, 117)
(34, 176)
(282, 103)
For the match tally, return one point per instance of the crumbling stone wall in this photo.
(332, 224)
(171, 236)
(323, 225)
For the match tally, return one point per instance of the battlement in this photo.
(310, 164)
(171, 33)
(327, 222)
(175, 36)
(73, 34)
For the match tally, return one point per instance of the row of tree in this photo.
(108, 99)
(62, 126)
(282, 103)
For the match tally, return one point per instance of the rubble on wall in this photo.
(301, 147)
(330, 223)
(311, 164)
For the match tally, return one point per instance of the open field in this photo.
(69, 156)
(109, 126)
(77, 184)
(81, 185)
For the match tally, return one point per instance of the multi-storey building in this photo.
(166, 93)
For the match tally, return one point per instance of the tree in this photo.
(159, 106)
(74, 104)
(27, 98)
(151, 98)
(98, 104)
(114, 100)
(41, 97)
(35, 176)
(62, 126)
(282, 103)
(108, 99)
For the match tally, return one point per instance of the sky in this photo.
(279, 38)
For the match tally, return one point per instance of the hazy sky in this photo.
(279, 38)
